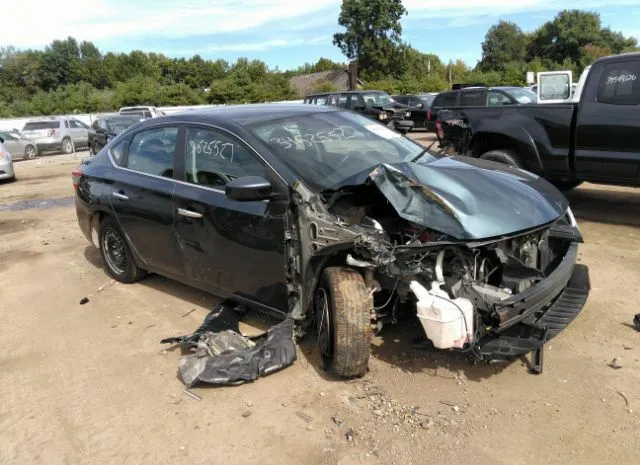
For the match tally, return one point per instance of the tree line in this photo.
(68, 76)
(373, 36)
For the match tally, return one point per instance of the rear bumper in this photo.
(544, 317)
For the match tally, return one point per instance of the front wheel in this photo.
(343, 321)
(30, 152)
(116, 253)
(67, 146)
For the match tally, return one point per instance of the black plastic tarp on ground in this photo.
(216, 353)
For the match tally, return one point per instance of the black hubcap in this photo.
(114, 251)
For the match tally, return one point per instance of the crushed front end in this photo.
(495, 298)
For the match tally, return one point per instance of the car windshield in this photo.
(522, 95)
(118, 125)
(328, 149)
(377, 99)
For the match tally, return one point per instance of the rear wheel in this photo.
(116, 253)
(343, 321)
(29, 152)
(503, 156)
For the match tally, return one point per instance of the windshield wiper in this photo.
(421, 154)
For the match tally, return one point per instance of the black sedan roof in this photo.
(247, 114)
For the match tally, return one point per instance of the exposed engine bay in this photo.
(459, 288)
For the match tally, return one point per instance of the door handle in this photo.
(189, 213)
(119, 196)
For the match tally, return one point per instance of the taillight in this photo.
(439, 130)
(75, 177)
(429, 115)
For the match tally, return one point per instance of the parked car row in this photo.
(373, 104)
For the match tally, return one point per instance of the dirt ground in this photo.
(91, 383)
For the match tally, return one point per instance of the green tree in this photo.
(61, 64)
(372, 31)
(504, 43)
(566, 36)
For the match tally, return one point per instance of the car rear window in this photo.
(619, 84)
(34, 126)
(447, 99)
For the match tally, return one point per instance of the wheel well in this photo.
(483, 143)
(96, 219)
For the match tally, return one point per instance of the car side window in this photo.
(473, 98)
(117, 151)
(66, 124)
(620, 84)
(342, 100)
(152, 151)
(447, 99)
(496, 99)
(73, 125)
(215, 158)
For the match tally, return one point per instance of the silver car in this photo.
(18, 145)
(6, 164)
(57, 133)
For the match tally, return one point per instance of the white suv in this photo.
(57, 133)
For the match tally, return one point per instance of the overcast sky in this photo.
(283, 33)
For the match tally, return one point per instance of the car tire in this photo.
(343, 321)
(503, 156)
(93, 149)
(67, 145)
(116, 253)
(30, 152)
(566, 185)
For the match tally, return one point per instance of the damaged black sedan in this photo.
(323, 216)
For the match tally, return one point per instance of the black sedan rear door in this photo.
(233, 248)
(141, 196)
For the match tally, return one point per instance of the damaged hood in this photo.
(468, 198)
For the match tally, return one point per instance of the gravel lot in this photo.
(91, 383)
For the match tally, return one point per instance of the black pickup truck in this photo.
(595, 139)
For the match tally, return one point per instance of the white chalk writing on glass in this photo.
(215, 148)
(320, 137)
(621, 78)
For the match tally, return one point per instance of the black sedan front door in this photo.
(141, 197)
(230, 247)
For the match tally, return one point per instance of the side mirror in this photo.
(248, 188)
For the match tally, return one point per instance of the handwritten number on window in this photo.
(215, 149)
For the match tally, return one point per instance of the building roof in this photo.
(304, 82)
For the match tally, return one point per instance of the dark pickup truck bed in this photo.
(596, 139)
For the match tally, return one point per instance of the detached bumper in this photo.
(543, 321)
